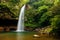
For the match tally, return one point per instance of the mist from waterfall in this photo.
(20, 25)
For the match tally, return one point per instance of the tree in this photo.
(14, 5)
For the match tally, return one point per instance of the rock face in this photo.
(8, 25)
(7, 29)
(46, 30)
(1, 29)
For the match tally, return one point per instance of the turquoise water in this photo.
(24, 36)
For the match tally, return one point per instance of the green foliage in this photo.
(43, 13)
(42, 8)
(55, 22)
(14, 5)
(56, 2)
(38, 13)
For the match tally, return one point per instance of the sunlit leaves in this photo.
(56, 2)
(14, 5)
(55, 22)
(43, 7)
(39, 12)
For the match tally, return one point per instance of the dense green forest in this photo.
(38, 13)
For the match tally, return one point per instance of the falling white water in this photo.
(20, 26)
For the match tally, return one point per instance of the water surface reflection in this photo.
(20, 36)
(25, 36)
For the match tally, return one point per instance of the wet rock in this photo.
(36, 36)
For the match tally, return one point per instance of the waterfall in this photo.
(20, 25)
